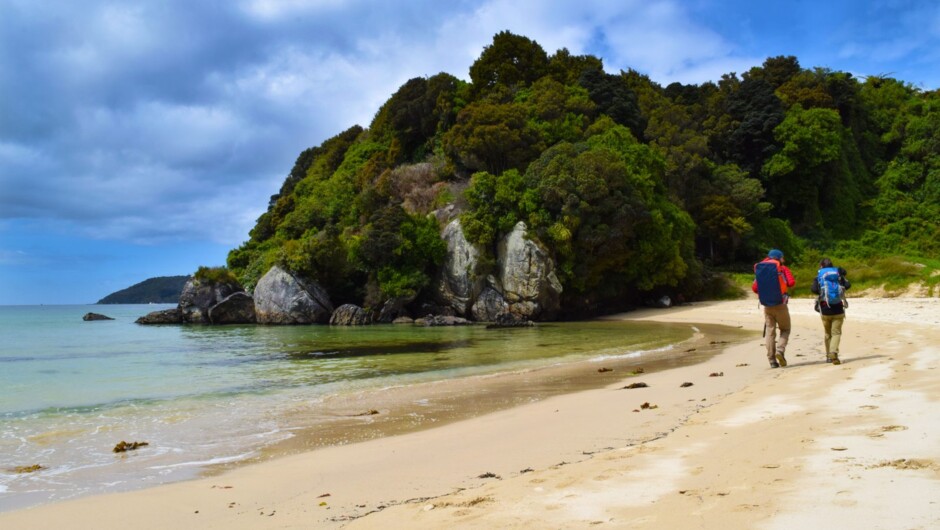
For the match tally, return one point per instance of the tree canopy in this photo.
(632, 187)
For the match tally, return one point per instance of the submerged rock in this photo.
(442, 320)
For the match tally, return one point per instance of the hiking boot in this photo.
(773, 364)
(781, 359)
(828, 357)
(835, 359)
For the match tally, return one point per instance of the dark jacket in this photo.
(834, 309)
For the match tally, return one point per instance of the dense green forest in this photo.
(159, 290)
(635, 188)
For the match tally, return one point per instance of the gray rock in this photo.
(527, 275)
(488, 305)
(95, 316)
(457, 285)
(237, 308)
(441, 320)
(282, 298)
(403, 320)
(393, 309)
(508, 319)
(350, 315)
(198, 297)
(167, 316)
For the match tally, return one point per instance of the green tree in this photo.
(493, 137)
(512, 61)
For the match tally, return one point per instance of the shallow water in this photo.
(70, 390)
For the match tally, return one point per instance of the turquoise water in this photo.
(70, 389)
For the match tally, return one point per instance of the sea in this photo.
(202, 397)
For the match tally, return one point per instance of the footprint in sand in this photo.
(893, 428)
(869, 407)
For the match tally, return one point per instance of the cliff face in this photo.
(160, 290)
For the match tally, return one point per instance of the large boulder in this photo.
(199, 296)
(282, 298)
(167, 316)
(457, 286)
(527, 275)
(394, 308)
(236, 308)
(488, 305)
(350, 315)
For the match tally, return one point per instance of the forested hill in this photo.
(632, 187)
(160, 290)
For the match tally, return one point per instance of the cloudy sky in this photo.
(143, 138)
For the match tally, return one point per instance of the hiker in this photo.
(830, 284)
(771, 280)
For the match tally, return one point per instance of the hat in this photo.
(775, 254)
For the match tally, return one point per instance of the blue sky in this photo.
(143, 138)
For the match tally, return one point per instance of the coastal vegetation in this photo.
(634, 189)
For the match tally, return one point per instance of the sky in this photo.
(144, 138)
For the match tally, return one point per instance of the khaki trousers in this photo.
(832, 324)
(775, 317)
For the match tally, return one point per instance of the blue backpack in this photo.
(831, 291)
(770, 283)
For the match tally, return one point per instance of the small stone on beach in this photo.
(635, 385)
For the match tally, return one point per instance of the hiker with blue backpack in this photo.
(771, 280)
(830, 285)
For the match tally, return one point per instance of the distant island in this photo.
(160, 290)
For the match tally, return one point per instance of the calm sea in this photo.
(70, 390)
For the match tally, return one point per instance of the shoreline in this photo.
(586, 458)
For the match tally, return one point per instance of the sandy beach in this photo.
(744, 446)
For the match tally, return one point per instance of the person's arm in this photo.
(754, 286)
(815, 287)
(788, 276)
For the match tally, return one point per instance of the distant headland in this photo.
(159, 290)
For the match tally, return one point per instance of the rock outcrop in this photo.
(95, 316)
(199, 296)
(236, 308)
(457, 285)
(441, 320)
(508, 319)
(527, 276)
(488, 305)
(207, 302)
(282, 298)
(350, 315)
(167, 316)
(393, 309)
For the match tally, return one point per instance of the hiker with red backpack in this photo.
(830, 285)
(771, 280)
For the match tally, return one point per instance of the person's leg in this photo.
(770, 335)
(837, 321)
(827, 335)
(783, 322)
